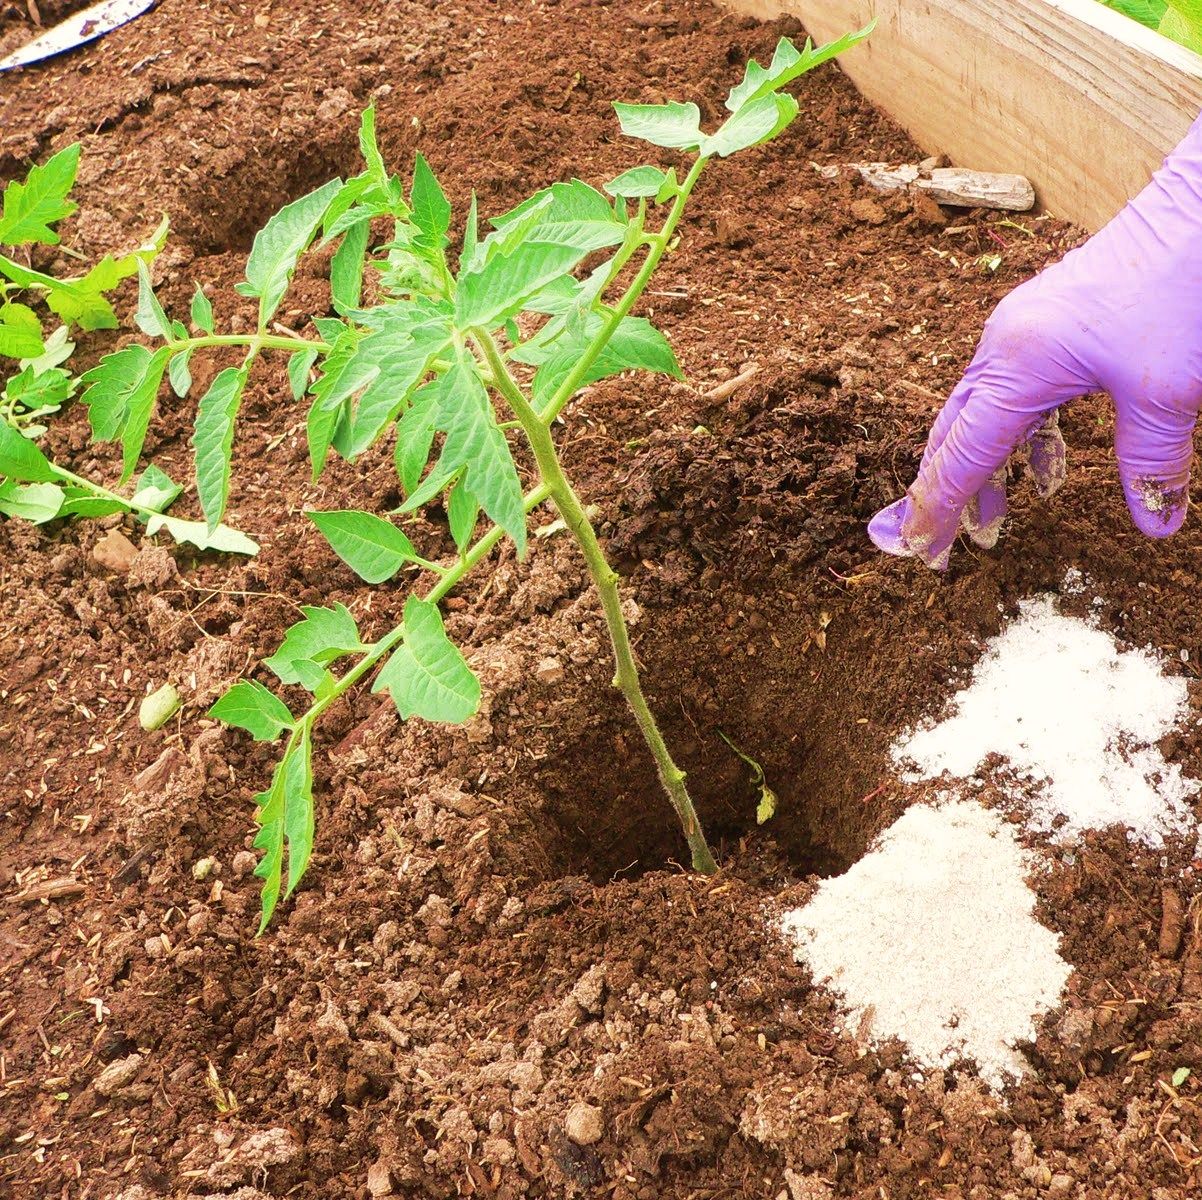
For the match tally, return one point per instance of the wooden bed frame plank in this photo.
(1080, 99)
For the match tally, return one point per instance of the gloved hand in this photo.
(1121, 313)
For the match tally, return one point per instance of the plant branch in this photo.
(626, 678)
(658, 244)
(450, 576)
(257, 341)
(98, 490)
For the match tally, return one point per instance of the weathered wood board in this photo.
(1080, 99)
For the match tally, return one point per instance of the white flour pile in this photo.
(930, 938)
(1074, 713)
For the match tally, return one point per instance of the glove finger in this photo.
(1046, 456)
(985, 512)
(1022, 370)
(1153, 441)
(945, 420)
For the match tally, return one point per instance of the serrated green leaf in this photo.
(330, 400)
(108, 386)
(38, 391)
(300, 364)
(313, 677)
(68, 299)
(1149, 13)
(20, 331)
(324, 635)
(29, 209)
(787, 64)
(35, 502)
(670, 189)
(565, 214)
(202, 311)
(325, 687)
(471, 236)
(21, 460)
(285, 817)
(427, 676)
(431, 208)
(377, 172)
(214, 441)
(120, 395)
(79, 502)
(280, 243)
(675, 126)
(415, 437)
(463, 511)
(250, 706)
(387, 363)
(346, 210)
(198, 534)
(513, 228)
(1183, 23)
(441, 476)
(346, 267)
(756, 122)
(58, 349)
(81, 301)
(156, 490)
(475, 444)
(328, 328)
(150, 317)
(298, 812)
(635, 345)
(638, 181)
(357, 214)
(486, 297)
(375, 549)
(559, 297)
(179, 372)
(1180, 1075)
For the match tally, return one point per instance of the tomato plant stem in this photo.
(605, 578)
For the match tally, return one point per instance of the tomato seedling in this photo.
(511, 321)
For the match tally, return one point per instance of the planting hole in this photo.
(594, 807)
(223, 210)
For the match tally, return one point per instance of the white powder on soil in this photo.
(1076, 715)
(930, 938)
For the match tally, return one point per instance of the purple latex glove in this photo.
(1121, 313)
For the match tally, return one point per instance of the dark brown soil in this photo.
(495, 927)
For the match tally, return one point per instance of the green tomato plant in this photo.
(33, 487)
(512, 323)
